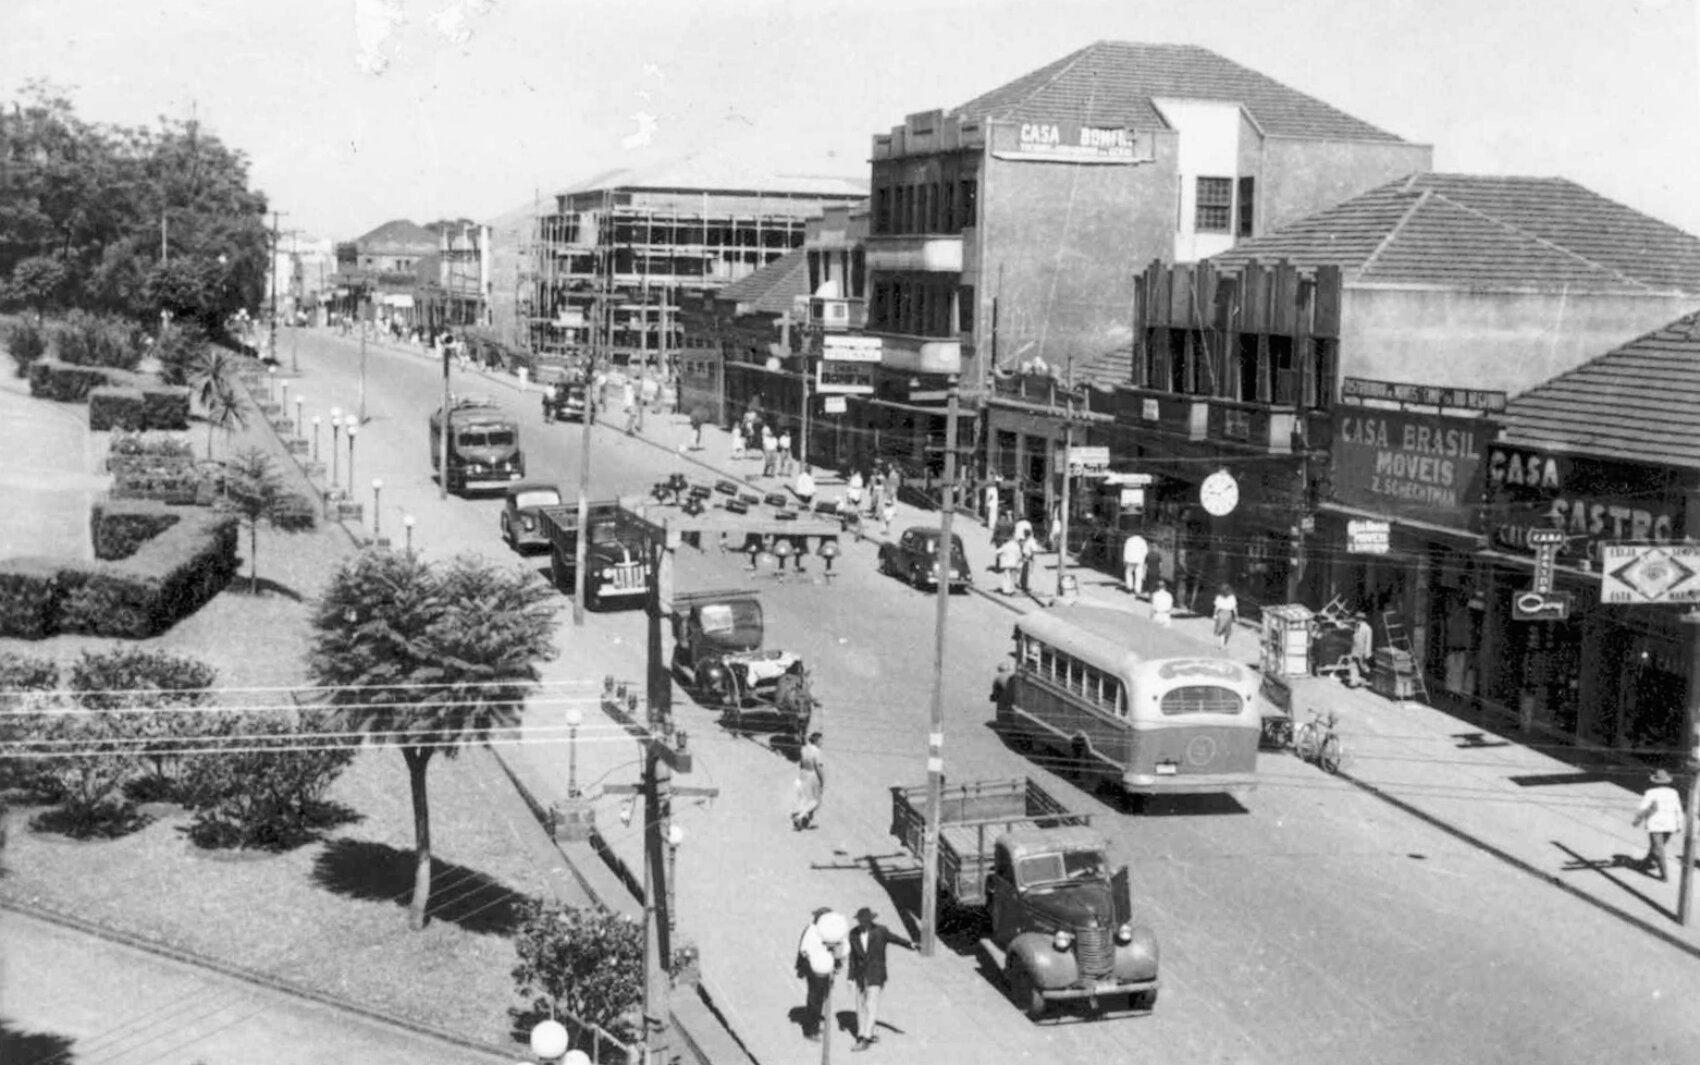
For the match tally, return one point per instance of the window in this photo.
(968, 191)
(1199, 699)
(1215, 201)
(1248, 202)
(965, 308)
(1245, 362)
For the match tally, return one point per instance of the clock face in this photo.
(1219, 493)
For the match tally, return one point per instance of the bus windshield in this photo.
(493, 436)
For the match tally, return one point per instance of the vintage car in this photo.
(521, 526)
(719, 658)
(914, 558)
(564, 399)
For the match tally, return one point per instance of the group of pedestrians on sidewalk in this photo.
(823, 951)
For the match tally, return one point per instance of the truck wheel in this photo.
(1143, 1001)
(1025, 993)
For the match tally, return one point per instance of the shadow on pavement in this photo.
(34, 1048)
(1578, 863)
(377, 872)
(264, 586)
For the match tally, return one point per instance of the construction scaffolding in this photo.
(644, 249)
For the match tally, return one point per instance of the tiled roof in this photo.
(1474, 230)
(1639, 402)
(1107, 369)
(401, 232)
(771, 289)
(1111, 83)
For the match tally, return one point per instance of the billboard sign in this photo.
(1086, 460)
(1421, 466)
(1541, 606)
(1362, 388)
(1649, 574)
(833, 377)
(851, 349)
(1369, 537)
(1590, 501)
(1072, 142)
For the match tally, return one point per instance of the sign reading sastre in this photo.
(1425, 467)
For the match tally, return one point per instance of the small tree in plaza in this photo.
(255, 491)
(429, 659)
(266, 787)
(213, 381)
(584, 963)
(156, 700)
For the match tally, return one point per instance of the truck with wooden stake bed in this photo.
(616, 556)
(1061, 923)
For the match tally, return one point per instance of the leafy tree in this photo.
(267, 788)
(27, 684)
(87, 339)
(255, 491)
(585, 963)
(428, 659)
(26, 341)
(225, 409)
(181, 349)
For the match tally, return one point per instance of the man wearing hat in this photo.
(868, 941)
(1661, 809)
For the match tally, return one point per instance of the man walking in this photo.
(1661, 810)
(785, 458)
(769, 452)
(868, 941)
(1135, 552)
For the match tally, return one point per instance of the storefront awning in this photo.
(908, 408)
(1049, 411)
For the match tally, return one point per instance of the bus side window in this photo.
(1119, 699)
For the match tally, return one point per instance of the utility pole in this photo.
(1062, 513)
(935, 731)
(665, 752)
(164, 216)
(365, 306)
(808, 344)
(1692, 732)
(271, 344)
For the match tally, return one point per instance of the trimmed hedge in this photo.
(61, 381)
(165, 407)
(167, 579)
(119, 528)
(111, 407)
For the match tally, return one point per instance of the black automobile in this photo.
(521, 527)
(914, 558)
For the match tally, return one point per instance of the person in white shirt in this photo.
(805, 488)
(1661, 811)
(813, 955)
(785, 459)
(1135, 552)
(1009, 561)
(1224, 612)
(1162, 604)
(992, 502)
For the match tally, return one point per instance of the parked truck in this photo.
(483, 446)
(616, 557)
(1061, 923)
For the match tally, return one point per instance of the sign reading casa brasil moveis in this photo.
(1422, 466)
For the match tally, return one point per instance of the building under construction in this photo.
(609, 261)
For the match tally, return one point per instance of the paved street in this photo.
(1314, 923)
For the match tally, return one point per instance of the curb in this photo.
(257, 979)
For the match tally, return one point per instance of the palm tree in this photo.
(254, 490)
(213, 380)
(429, 659)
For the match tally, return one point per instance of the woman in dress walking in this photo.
(1224, 613)
(810, 783)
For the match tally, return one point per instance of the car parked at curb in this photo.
(521, 526)
(914, 557)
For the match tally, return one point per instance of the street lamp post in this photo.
(363, 363)
(336, 442)
(271, 384)
(353, 427)
(283, 395)
(675, 838)
(377, 487)
(407, 523)
(833, 929)
(315, 435)
(575, 718)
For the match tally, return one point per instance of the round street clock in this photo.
(1219, 493)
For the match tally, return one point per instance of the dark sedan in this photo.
(914, 557)
(521, 527)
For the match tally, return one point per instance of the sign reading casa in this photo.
(1071, 142)
(1427, 467)
(1589, 500)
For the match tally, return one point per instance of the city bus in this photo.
(1151, 710)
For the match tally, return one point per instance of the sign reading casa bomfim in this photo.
(1590, 500)
(1420, 466)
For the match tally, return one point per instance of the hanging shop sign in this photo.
(1087, 460)
(1368, 537)
(844, 378)
(1541, 606)
(1421, 466)
(833, 404)
(1150, 410)
(1591, 501)
(852, 349)
(1072, 142)
(1361, 388)
(1649, 574)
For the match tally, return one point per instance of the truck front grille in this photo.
(628, 575)
(1094, 951)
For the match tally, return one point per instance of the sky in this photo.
(355, 112)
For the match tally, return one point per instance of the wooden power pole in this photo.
(935, 730)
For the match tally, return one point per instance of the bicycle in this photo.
(1316, 741)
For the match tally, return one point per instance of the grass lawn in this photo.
(330, 916)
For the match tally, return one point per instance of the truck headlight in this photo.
(608, 574)
(1063, 940)
(1124, 934)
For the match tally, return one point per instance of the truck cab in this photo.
(1061, 922)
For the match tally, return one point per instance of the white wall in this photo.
(1209, 147)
